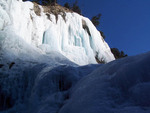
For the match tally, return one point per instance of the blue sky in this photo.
(125, 23)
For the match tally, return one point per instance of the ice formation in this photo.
(30, 25)
(122, 86)
(39, 71)
(39, 53)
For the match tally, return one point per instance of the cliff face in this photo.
(42, 29)
(36, 75)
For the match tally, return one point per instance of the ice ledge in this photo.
(71, 34)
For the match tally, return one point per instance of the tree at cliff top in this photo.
(44, 2)
(74, 7)
(118, 54)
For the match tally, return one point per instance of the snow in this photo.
(122, 86)
(65, 35)
(43, 87)
(40, 68)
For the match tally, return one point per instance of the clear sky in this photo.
(125, 23)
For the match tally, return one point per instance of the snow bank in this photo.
(38, 88)
(122, 86)
(72, 35)
(37, 77)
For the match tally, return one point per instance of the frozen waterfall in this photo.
(68, 33)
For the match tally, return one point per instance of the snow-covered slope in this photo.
(37, 74)
(122, 86)
(30, 28)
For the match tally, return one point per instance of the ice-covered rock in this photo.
(39, 29)
(37, 45)
(36, 75)
(122, 86)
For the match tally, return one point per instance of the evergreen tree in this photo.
(76, 8)
(95, 20)
(67, 5)
(117, 54)
(48, 2)
(44, 2)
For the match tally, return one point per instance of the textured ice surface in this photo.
(74, 36)
(122, 86)
(39, 71)
(29, 87)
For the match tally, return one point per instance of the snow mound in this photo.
(39, 53)
(36, 30)
(38, 88)
(122, 86)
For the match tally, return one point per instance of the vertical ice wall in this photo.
(72, 35)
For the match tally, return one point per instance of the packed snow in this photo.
(40, 72)
(122, 86)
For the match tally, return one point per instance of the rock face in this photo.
(30, 28)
